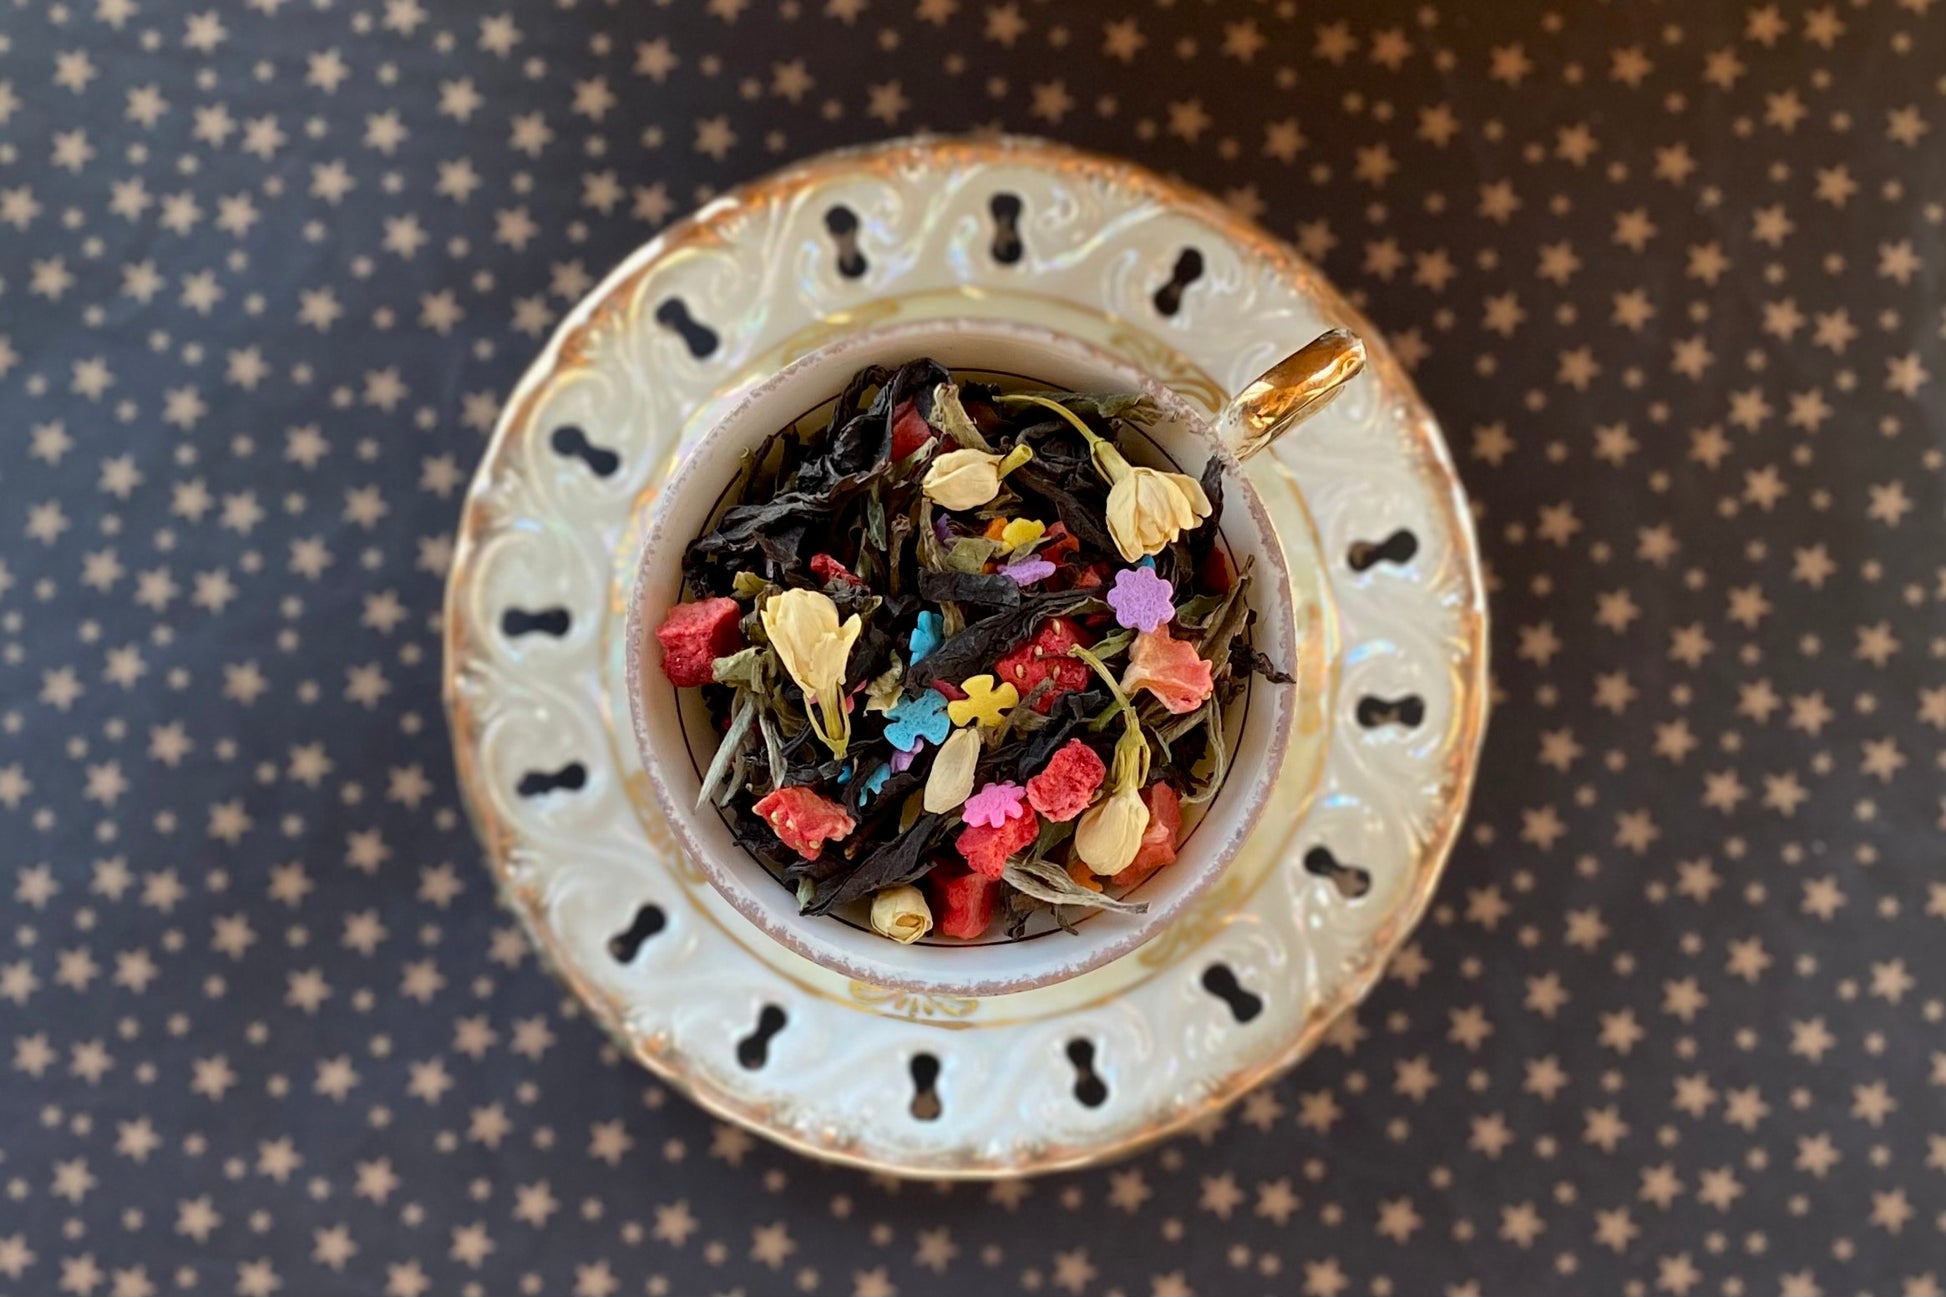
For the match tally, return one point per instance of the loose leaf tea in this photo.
(968, 663)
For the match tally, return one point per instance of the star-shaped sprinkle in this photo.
(983, 702)
(1142, 600)
(994, 804)
(922, 717)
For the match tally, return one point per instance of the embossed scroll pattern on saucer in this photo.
(1070, 1074)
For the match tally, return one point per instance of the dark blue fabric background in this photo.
(1672, 275)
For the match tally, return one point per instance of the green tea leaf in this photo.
(1218, 752)
(973, 553)
(1135, 407)
(951, 418)
(882, 694)
(744, 668)
(741, 718)
(1050, 883)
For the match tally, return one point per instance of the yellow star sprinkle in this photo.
(1022, 532)
(983, 703)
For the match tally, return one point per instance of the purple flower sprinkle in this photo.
(1141, 599)
(1028, 571)
(902, 759)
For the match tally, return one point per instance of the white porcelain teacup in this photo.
(677, 740)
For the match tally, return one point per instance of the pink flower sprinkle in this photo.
(1142, 600)
(994, 805)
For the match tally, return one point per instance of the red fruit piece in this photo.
(1059, 543)
(962, 902)
(804, 821)
(694, 635)
(1159, 839)
(909, 430)
(828, 569)
(1215, 574)
(1046, 657)
(1064, 789)
(986, 849)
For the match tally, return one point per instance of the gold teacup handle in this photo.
(1290, 391)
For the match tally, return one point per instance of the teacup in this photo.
(677, 740)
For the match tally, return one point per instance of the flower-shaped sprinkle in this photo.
(928, 635)
(994, 804)
(902, 760)
(1028, 570)
(1022, 532)
(922, 717)
(1141, 599)
(1169, 668)
(983, 702)
(876, 780)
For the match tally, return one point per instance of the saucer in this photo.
(1239, 987)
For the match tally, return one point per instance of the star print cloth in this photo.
(1671, 279)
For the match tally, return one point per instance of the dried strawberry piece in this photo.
(1064, 789)
(949, 691)
(1046, 657)
(986, 849)
(694, 635)
(804, 821)
(1214, 573)
(1159, 839)
(1091, 577)
(962, 902)
(827, 569)
(910, 430)
(1059, 544)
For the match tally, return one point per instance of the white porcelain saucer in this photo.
(1240, 987)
